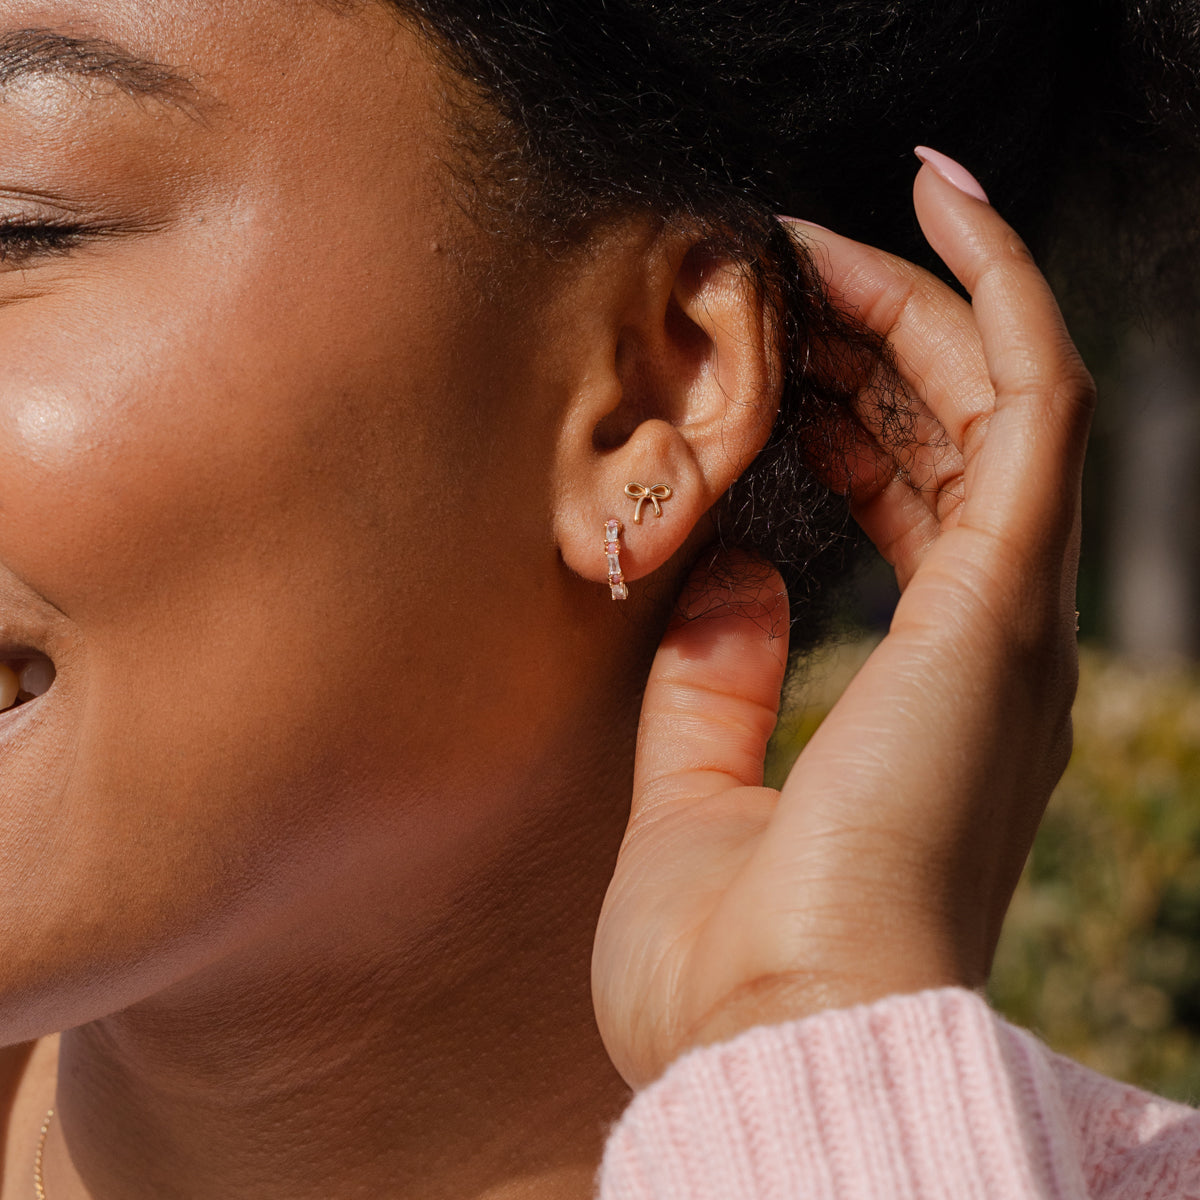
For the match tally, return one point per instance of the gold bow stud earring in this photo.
(643, 495)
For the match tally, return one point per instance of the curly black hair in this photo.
(725, 113)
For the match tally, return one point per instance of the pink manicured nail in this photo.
(952, 172)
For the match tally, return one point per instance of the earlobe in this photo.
(639, 493)
(655, 505)
(676, 397)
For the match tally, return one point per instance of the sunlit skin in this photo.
(303, 482)
(287, 500)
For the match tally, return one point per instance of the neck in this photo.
(346, 1059)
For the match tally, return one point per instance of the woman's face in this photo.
(264, 489)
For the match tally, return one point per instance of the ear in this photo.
(676, 387)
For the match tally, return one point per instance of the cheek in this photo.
(250, 508)
(259, 472)
(159, 445)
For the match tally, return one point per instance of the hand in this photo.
(888, 860)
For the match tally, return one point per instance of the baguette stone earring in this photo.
(612, 548)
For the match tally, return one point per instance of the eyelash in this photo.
(24, 241)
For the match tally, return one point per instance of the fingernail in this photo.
(952, 172)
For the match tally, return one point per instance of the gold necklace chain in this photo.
(39, 1184)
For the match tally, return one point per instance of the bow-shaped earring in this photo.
(641, 493)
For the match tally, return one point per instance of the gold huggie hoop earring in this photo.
(612, 548)
(643, 494)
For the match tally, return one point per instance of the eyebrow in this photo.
(28, 53)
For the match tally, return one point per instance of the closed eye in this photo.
(22, 242)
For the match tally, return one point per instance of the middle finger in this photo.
(931, 329)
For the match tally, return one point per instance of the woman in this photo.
(326, 368)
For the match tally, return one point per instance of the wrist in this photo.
(778, 999)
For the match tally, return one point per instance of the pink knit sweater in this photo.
(922, 1097)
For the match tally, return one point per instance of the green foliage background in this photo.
(1101, 953)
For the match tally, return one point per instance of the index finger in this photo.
(931, 329)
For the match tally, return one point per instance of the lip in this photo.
(10, 717)
(18, 656)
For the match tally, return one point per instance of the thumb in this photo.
(712, 697)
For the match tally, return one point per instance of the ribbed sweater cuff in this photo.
(924, 1096)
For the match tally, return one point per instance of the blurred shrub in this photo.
(1101, 953)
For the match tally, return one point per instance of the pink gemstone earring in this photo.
(612, 548)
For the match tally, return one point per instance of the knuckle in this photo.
(1058, 383)
(974, 430)
(1015, 250)
(892, 305)
(1075, 391)
(1005, 270)
(951, 494)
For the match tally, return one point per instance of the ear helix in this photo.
(641, 495)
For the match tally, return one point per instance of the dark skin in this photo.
(283, 487)
(307, 844)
